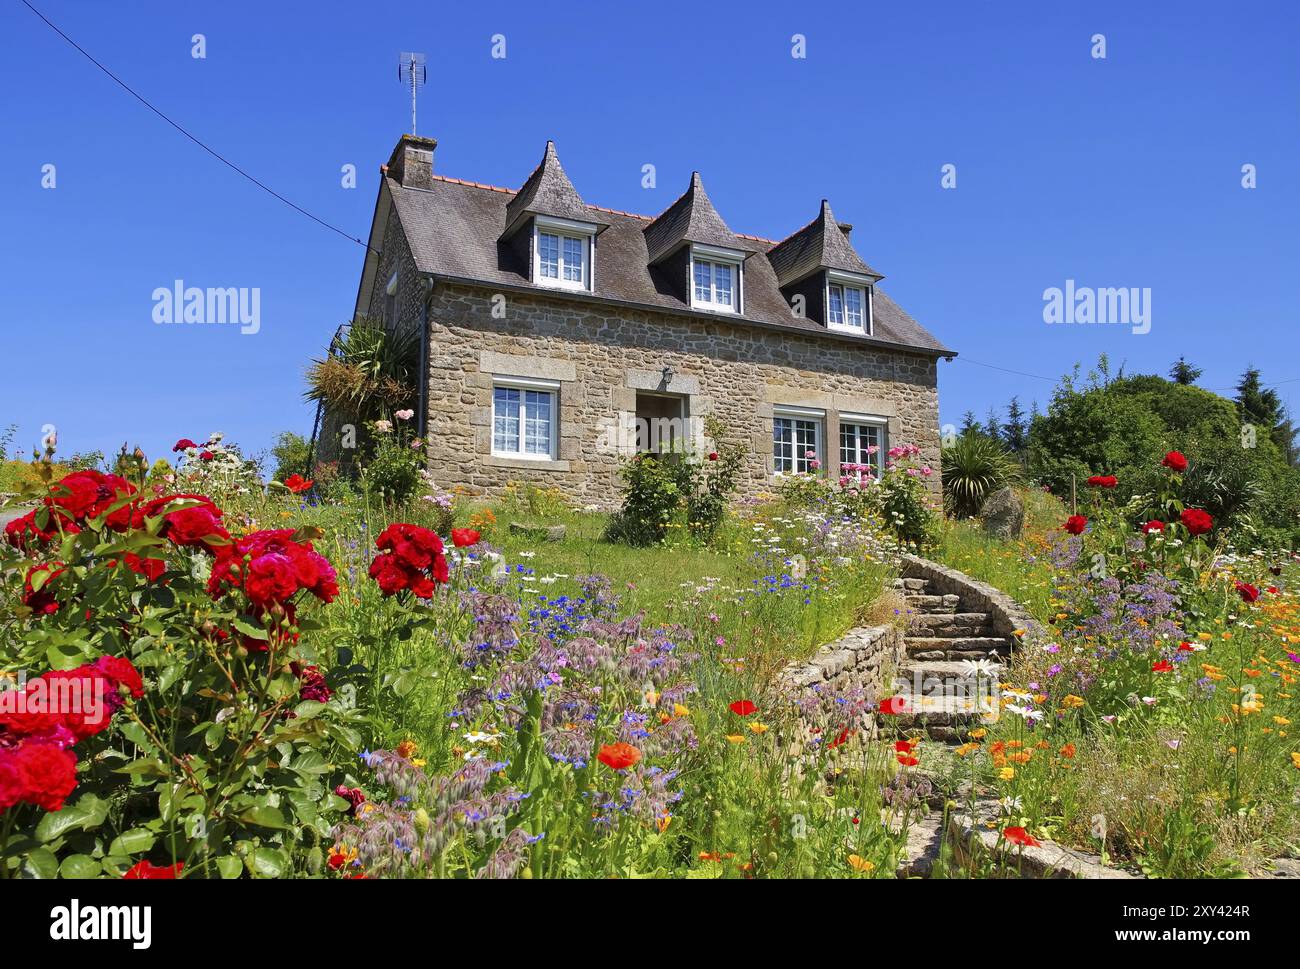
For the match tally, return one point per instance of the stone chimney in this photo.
(412, 161)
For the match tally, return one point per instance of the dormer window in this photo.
(848, 303)
(715, 279)
(563, 253)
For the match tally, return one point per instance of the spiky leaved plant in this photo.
(974, 466)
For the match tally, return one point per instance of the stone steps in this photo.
(942, 698)
(949, 625)
(965, 647)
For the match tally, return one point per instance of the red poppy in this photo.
(1247, 592)
(1176, 461)
(843, 736)
(713, 455)
(619, 756)
(1075, 524)
(1019, 836)
(1164, 666)
(1155, 525)
(1197, 521)
(297, 483)
(464, 537)
(893, 705)
(743, 708)
(143, 869)
(907, 760)
(1186, 648)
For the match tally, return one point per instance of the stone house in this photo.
(560, 337)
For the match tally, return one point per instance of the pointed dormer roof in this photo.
(547, 191)
(822, 244)
(692, 218)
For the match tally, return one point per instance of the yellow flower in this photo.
(1281, 721)
(977, 734)
(758, 728)
(1072, 701)
(406, 749)
(735, 738)
(1007, 773)
(1206, 637)
(662, 823)
(1295, 761)
(680, 711)
(858, 863)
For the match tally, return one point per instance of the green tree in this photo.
(969, 424)
(1184, 373)
(1015, 433)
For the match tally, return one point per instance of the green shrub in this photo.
(653, 489)
(291, 453)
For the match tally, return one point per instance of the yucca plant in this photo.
(974, 466)
(369, 372)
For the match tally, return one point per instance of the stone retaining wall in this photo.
(858, 658)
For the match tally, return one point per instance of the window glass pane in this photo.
(782, 444)
(505, 420)
(805, 445)
(853, 305)
(574, 256)
(703, 287)
(537, 422)
(835, 309)
(848, 444)
(722, 284)
(548, 255)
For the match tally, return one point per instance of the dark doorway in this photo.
(660, 427)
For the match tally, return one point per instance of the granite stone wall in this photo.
(601, 355)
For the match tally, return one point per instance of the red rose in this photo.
(1197, 521)
(42, 601)
(1075, 524)
(183, 444)
(1155, 525)
(89, 494)
(464, 537)
(1103, 481)
(1175, 460)
(36, 772)
(1247, 592)
(713, 455)
(122, 672)
(352, 795)
(413, 559)
(27, 536)
(143, 869)
(619, 756)
(206, 456)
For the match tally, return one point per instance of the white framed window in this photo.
(796, 440)
(563, 253)
(848, 302)
(862, 443)
(525, 418)
(715, 279)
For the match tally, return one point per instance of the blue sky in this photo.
(1122, 172)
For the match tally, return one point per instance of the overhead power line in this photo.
(211, 151)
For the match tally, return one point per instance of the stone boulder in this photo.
(1003, 514)
(539, 533)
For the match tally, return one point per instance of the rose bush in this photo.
(203, 736)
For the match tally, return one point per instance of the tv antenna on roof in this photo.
(410, 70)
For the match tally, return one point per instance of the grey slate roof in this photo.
(547, 191)
(821, 244)
(454, 229)
(692, 218)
